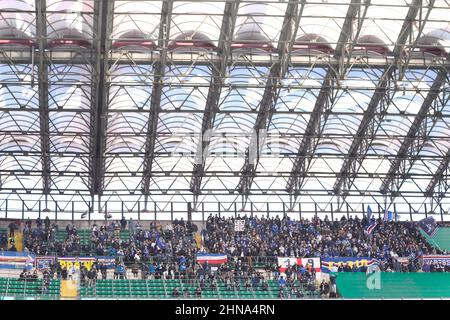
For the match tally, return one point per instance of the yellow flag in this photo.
(18, 241)
(198, 239)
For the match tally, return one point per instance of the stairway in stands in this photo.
(70, 289)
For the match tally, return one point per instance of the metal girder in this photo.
(102, 25)
(41, 31)
(323, 102)
(344, 49)
(380, 100)
(439, 181)
(216, 173)
(213, 97)
(267, 104)
(186, 192)
(155, 103)
(417, 60)
(408, 147)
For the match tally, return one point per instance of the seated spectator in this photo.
(12, 246)
(175, 293)
(265, 286)
(34, 276)
(23, 275)
(198, 292)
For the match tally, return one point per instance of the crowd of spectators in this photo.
(176, 245)
(325, 238)
(157, 252)
(27, 275)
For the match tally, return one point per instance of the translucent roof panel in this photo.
(436, 31)
(401, 111)
(71, 19)
(323, 20)
(132, 102)
(18, 19)
(383, 23)
(259, 23)
(136, 20)
(199, 21)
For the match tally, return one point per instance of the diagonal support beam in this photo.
(213, 97)
(271, 92)
(408, 143)
(155, 103)
(377, 105)
(323, 103)
(439, 184)
(41, 30)
(102, 25)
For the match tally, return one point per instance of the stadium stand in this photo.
(393, 285)
(269, 109)
(153, 262)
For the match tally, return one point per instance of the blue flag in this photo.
(388, 216)
(429, 226)
(369, 212)
(160, 243)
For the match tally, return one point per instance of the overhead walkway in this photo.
(390, 285)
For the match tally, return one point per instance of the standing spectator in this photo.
(39, 223)
(64, 273)
(135, 270)
(123, 223)
(47, 223)
(12, 228)
(92, 277)
(282, 282)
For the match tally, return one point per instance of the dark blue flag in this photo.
(429, 226)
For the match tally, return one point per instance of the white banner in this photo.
(285, 262)
(239, 225)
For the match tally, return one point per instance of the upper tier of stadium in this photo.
(249, 106)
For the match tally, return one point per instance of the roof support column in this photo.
(213, 97)
(376, 110)
(41, 31)
(322, 106)
(155, 104)
(415, 139)
(270, 96)
(102, 26)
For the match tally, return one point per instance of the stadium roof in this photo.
(323, 103)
